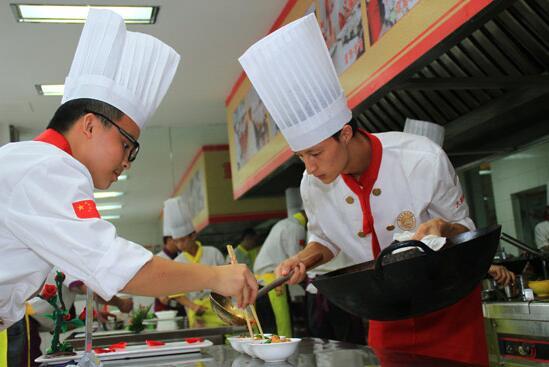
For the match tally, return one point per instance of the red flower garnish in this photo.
(194, 340)
(103, 350)
(59, 277)
(82, 315)
(48, 291)
(154, 343)
(120, 345)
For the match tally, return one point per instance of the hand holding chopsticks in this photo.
(251, 308)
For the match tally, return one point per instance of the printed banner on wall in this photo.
(193, 194)
(253, 127)
(384, 14)
(341, 25)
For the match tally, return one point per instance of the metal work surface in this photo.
(311, 352)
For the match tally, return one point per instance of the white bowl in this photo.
(237, 341)
(247, 347)
(170, 314)
(274, 352)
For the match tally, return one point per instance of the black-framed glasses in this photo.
(135, 145)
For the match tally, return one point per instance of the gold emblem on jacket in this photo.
(406, 221)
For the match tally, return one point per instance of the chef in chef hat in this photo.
(359, 188)
(117, 79)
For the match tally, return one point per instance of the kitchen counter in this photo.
(311, 353)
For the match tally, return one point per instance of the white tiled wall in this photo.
(515, 173)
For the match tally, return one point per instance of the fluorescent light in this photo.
(31, 13)
(110, 217)
(122, 177)
(50, 89)
(483, 172)
(105, 207)
(107, 194)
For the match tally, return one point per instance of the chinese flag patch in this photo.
(85, 209)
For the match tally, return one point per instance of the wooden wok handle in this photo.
(309, 262)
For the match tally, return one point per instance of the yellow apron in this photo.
(279, 303)
(208, 318)
(4, 348)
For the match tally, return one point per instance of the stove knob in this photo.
(524, 349)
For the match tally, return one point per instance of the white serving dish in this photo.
(135, 351)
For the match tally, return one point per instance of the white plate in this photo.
(135, 351)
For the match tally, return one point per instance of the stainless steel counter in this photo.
(311, 353)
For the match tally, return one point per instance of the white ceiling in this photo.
(209, 35)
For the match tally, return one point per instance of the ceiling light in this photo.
(50, 89)
(110, 217)
(122, 177)
(107, 194)
(484, 172)
(34, 13)
(105, 207)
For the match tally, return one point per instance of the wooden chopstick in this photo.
(232, 255)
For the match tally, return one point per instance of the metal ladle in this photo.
(232, 315)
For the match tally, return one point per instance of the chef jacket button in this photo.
(349, 200)
(361, 234)
(376, 192)
(390, 227)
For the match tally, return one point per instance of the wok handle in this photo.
(309, 262)
(398, 245)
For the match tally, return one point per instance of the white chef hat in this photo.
(166, 229)
(128, 70)
(293, 200)
(178, 217)
(293, 73)
(430, 130)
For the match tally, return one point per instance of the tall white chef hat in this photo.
(128, 70)
(293, 74)
(178, 217)
(430, 130)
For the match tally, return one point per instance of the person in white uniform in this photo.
(197, 303)
(359, 188)
(48, 216)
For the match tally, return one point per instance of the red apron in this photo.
(454, 333)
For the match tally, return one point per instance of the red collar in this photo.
(55, 138)
(369, 176)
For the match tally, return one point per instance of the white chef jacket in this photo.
(541, 231)
(210, 256)
(284, 240)
(416, 182)
(39, 227)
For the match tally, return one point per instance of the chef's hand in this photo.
(125, 305)
(295, 264)
(501, 275)
(235, 280)
(438, 227)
